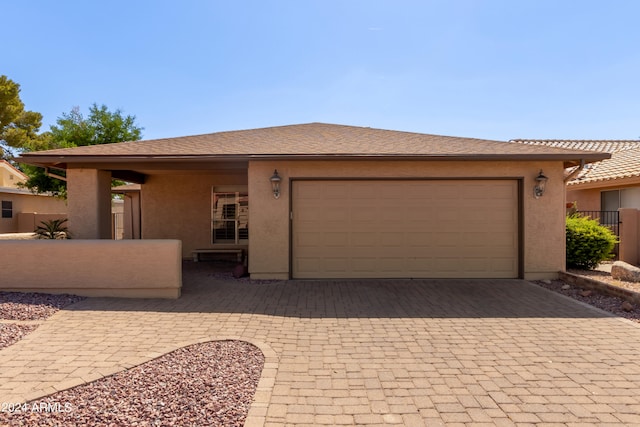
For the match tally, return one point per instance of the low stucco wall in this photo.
(125, 268)
(30, 203)
(29, 221)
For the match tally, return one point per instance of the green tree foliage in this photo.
(588, 242)
(18, 127)
(101, 126)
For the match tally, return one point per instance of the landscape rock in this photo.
(627, 306)
(239, 271)
(623, 271)
(586, 293)
(566, 287)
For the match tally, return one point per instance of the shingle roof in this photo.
(624, 161)
(310, 140)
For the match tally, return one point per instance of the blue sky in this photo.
(488, 69)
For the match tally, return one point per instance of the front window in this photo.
(230, 217)
(7, 209)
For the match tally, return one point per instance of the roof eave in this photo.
(46, 160)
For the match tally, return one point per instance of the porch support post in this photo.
(89, 203)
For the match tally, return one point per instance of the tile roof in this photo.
(313, 139)
(605, 146)
(622, 164)
(624, 161)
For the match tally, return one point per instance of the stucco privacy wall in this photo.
(179, 206)
(29, 221)
(123, 268)
(630, 235)
(543, 222)
(29, 203)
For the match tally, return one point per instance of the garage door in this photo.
(405, 229)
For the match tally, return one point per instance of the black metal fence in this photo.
(610, 219)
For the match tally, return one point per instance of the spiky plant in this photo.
(53, 229)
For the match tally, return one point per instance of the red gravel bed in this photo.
(208, 384)
(10, 333)
(33, 305)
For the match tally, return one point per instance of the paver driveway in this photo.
(421, 352)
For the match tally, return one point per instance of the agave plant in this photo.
(53, 229)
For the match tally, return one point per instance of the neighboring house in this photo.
(345, 202)
(23, 210)
(607, 185)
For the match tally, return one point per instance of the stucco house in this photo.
(603, 186)
(331, 201)
(23, 210)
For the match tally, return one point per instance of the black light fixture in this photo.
(275, 183)
(541, 183)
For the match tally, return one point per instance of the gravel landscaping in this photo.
(33, 306)
(208, 384)
(604, 302)
(10, 333)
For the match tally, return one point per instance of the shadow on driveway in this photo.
(206, 290)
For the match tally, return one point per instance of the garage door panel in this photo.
(339, 240)
(307, 239)
(419, 239)
(391, 265)
(439, 228)
(364, 239)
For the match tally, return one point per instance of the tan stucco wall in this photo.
(586, 200)
(29, 221)
(30, 203)
(544, 218)
(125, 268)
(89, 201)
(179, 207)
(629, 235)
(9, 176)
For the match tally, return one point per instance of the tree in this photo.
(18, 127)
(100, 127)
(74, 130)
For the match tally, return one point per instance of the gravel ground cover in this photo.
(10, 333)
(612, 304)
(33, 305)
(208, 384)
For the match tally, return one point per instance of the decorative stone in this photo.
(566, 287)
(239, 271)
(586, 293)
(623, 271)
(627, 306)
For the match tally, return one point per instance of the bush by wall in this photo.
(588, 242)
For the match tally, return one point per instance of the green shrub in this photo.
(53, 229)
(588, 242)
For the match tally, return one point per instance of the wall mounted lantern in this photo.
(275, 183)
(541, 182)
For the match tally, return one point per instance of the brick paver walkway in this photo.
(422, 352)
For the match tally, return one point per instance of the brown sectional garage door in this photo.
(405, 229)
